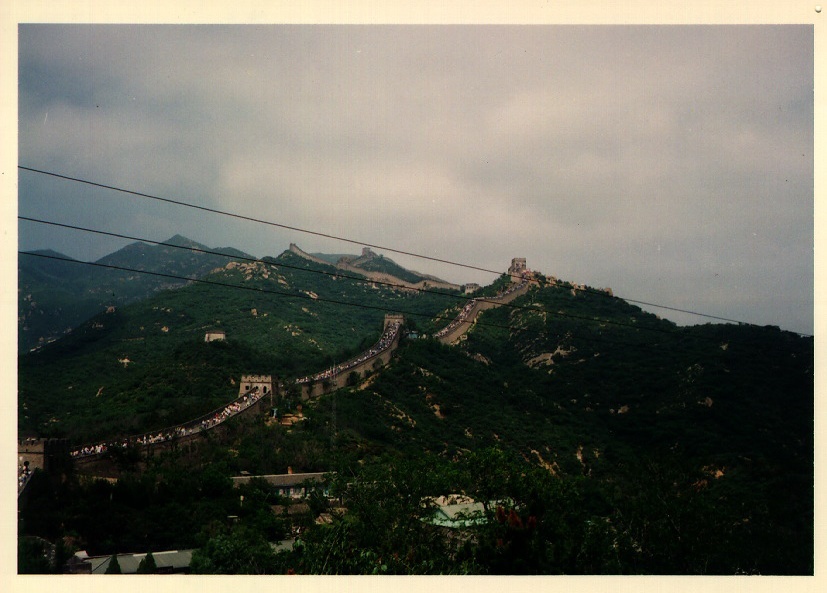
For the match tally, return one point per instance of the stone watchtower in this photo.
(215, 335)
(249, 382)
(394, 318)
(517, 269)
(264, 384)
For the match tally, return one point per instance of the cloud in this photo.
(646, 158)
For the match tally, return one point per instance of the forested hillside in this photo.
(56, 295)
(146, 366)
(601, 438)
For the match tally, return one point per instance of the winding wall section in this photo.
(95, 458)
(468, 316)
(338, 375)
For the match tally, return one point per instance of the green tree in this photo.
(147, 565)
(31, 556)
(535, 521)
(241, 551)
(114, 567)
(389, 498)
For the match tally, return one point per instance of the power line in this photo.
(241, 257)
(216, 283)
(309, 298)
(338, 275)
(365, 244)
(252, 219)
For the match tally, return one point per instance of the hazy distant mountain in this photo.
(381, 268)
(55, 296)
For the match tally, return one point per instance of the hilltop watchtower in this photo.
(394, 318)
(215, 335)
(517, 269)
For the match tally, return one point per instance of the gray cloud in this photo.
(674, 164)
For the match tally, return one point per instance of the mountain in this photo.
(55, 296)
(378, 267)
(57, 293)
(117, 371)
(618, 441)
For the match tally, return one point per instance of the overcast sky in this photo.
(673, 164)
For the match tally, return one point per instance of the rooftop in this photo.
(282, 479)
(169, 561)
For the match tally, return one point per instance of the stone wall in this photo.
(517, 269)
(31, 450)
(389, 279)
(481, 305)
(352, 266)
(317, 388)
(105, 466)
(298, 251)
(47, 454)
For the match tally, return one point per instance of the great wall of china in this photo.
(352, 265)
(256, 393)
(357, 367)
(454, 331)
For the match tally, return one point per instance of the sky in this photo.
(673, 164)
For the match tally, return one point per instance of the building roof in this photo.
(170, 560)
(457, 511)
(282, 479)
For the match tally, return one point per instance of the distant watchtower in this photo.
(517, 269)
(391, 318)
(216, 335)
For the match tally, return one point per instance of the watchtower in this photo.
(215, 335)
(249, 382)
(391, 318)
(517, 269)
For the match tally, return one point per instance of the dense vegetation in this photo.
(166, 507)
(146, 366)
(601, 438)
(55, 295)
(655, 516)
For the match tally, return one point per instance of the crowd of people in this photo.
(216, 418)
(469, 306)
(93, 449)
(463, 315)
(240, 404)
(244, 402)
(228, 411)
(183, 430)
(383, 344)
(511, 288)
(23, 474)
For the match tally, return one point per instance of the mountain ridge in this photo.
(51, 311)
(684, 449)
(378, 267)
